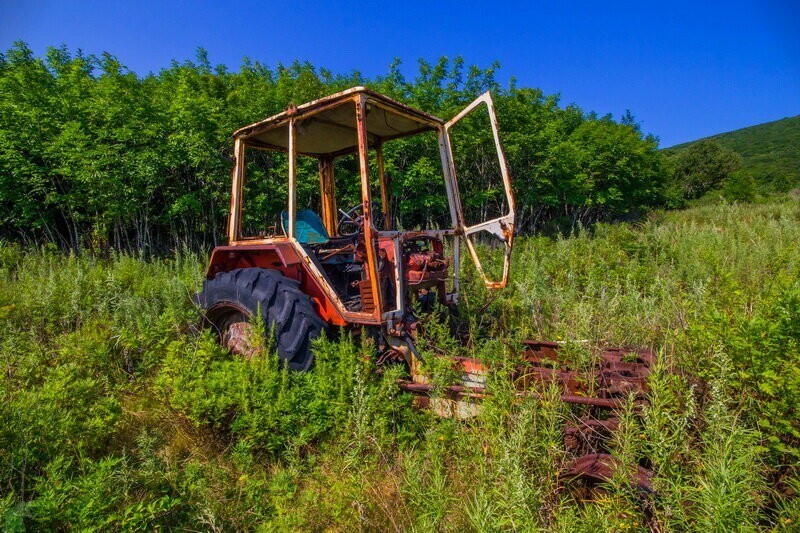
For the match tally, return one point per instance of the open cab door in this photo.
(487, 221)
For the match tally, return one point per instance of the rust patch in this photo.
(601, 468)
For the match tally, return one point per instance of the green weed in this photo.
(118, 414)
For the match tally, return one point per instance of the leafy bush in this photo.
(703, 166)
(119, 161)
(260, 400)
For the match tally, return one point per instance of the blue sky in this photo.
(684, 69)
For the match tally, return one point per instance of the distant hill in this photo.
(770, 152)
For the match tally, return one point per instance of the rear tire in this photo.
(232, 299)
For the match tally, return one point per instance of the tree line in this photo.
(93, 155)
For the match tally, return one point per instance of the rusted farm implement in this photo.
(619, 376)
(308, 266)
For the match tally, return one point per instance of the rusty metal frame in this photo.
(327, 187)
(292, 180)
(361, 98)
(502, 226)
(328, 102)
(370, 234)
(237, 180)
(234, 226)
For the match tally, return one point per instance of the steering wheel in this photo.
(351, 221)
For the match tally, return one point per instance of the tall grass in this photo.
(117, 413)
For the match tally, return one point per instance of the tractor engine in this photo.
(424, 262)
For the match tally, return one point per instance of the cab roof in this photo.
(327, 127)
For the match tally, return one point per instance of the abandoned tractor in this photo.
(305, 265)
(306, 270)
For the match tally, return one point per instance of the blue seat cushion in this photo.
(308, 227)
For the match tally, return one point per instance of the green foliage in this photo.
(763, 347)
(94, 156)
(264, 405)
(569, 167)
(116, 414)
(703, 166)
(730, 481)
(769, 153)
(740, 186)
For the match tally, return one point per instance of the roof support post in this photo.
(235, 219)
(366, 202)
(327, 188)
(292, 178)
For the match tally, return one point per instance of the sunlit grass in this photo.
(117, 413)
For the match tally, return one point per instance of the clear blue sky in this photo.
(684, 69)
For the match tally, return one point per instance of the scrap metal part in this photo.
(602, 467)
(619, 374)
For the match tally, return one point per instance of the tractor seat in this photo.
(309, 229)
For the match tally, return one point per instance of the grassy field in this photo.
(117, 414)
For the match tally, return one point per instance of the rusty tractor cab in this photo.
(305, 263)
(305, 269)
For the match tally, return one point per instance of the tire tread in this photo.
(284, 308)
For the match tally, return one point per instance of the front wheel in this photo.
(231, 300)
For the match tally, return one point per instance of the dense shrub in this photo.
(94, 156)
